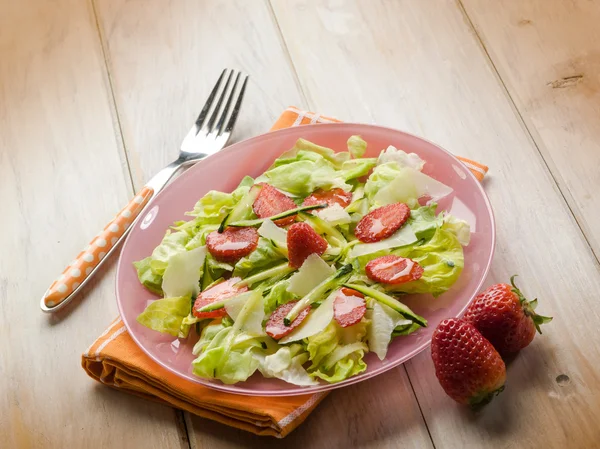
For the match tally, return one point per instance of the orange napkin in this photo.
(115, 360)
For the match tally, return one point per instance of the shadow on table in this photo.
(527, 370)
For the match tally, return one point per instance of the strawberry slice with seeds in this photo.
(329, 197)
(276, 328)
(349, 307)
(393, 270)
(271, 201)
(382, 222)
(302, 241)
(232, 244)
(219, 292)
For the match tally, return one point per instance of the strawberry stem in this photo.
(529, 307)
(484, 398)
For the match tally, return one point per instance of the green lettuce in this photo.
(264, 256)
(278, 295)
(424, 222)
(223, 359)
(286, 364)
(166, 315)
(460, 228)
(357, 168)
(147, 277)
(356, 146)
(211, 209)
(442, 259)
(172, 243)
(229, 355)
(304, 176)
(382, 175)
(308, 149)
(333, 361)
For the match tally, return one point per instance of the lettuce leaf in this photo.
(424, 222)
(304, 174)
(403, 159)
(356, 168)
(211, 209)
(172, 243)
(229, 356)
(286, 363)
(357, 146)
(147, 277)
(278, 295)
(460, 228)
(330, 360)
(322, 344)
(222, 360)
(166, 315)
(333, 361)
(306, 149)
(264, 256)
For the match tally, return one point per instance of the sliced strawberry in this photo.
(275, 326)
(349, 292)
(219, 292)
(382, 222)
(271, 201)
(349, 307)
(302, 241)
(331, 197)
(393, 270)
(232, 244)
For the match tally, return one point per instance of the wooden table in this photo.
(95, 97)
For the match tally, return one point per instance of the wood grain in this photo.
(165, 58)
(62, 178)
(156, 107)
(418, 66)
(353, 417)
(548, 54)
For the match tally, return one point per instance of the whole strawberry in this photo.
(505, 317)
(468, 367)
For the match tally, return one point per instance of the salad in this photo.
(299, 273)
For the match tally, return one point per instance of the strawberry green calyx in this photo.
(484, 398)
(529, 307)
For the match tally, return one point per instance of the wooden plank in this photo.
(191, 42)
(348, 418)
(417, 66)
(165, 59)
(548, 54)
(62, 179)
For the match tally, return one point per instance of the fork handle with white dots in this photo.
(74, 277)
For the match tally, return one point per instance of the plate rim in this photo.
(321, 388)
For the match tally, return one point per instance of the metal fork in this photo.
(209, 134)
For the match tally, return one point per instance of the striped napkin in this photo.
(115, 360)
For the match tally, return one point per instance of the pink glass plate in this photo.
(223, 172)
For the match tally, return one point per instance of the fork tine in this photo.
(219, 127)
(208, 104)
(215, 113)
(236, 108)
